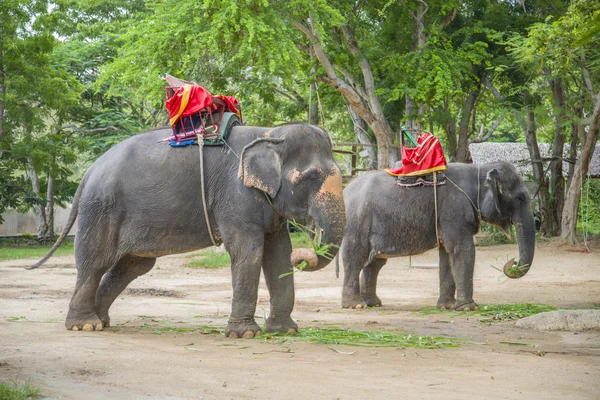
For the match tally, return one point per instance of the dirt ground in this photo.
(130, 361)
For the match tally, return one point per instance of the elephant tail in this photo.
(65, 232)
(337, 262)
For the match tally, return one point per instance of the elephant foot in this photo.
(466, 306)
(356, 306)
(104, 318)
(373, 301)
(353, 301)
(242, 328)
(286, 325)
(90, 323)
(446, 304)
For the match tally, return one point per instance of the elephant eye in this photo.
(311, 174)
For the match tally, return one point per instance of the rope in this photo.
(587, 212)
(201, 152)
(435, 206)
(320, 107)
(477, 209)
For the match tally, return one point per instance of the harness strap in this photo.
(476, 207)
(435, 206)
(201, 152)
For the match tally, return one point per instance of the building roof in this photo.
(518, 154)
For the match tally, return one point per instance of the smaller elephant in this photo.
(384, 220)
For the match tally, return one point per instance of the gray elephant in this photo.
(384, 220)
(142, 200)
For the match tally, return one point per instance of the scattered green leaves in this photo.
(209, 259)
(365, 338)
(315, 236)
(496, 312)
(15, 391)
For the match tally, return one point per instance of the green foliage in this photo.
(588, 219)
(370, 339)
(299, 239)
(495, 236)
(16, 391)
(209, 259)
(496, 312)
(21, 251)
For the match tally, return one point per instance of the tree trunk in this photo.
(557, 181)
(40, 210)
(462, 150)
(313, 108)
(571, 207)
(573, 151)
(450, 129)
(363, 100)
(2, 89)
(360, 130)
(50, 206)
(536, 160)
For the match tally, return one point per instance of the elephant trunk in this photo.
(525, 229)
(328, 213)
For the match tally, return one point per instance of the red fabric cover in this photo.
(191, 99)
(198, 99)
(427, 157)
(231, 102)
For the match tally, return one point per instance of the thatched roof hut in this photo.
(518, 154)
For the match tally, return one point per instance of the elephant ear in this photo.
(492, 179)
(260, 165)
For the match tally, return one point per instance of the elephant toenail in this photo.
(292, 331)
(359, 306)
(88, 327)
(233, 335)
(248, 335)
(74, 328)
(99, 326)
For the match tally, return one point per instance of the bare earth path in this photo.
(131, 361)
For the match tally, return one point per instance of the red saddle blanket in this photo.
(190, 99)
(427, 157)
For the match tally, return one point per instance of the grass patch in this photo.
(364, 338)
(300, 240)
(496, 312)
(209, 259)
(204, 329)
(14, 391)
(19, 251)
(495, 236)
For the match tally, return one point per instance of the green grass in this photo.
(209, 260)
(14, 251)
(364, 338)
(159, 330)
(15, 391)
(495, 236)
(299, 239)
(496, 312)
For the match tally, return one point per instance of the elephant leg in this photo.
(353, 264)
(462, 261)
(368, 286)
(82, 311)
(447, 285)
(246, 251)
(116, 280)
(276, 261)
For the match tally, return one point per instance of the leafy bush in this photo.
(495, 236)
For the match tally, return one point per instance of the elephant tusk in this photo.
(305, 254)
